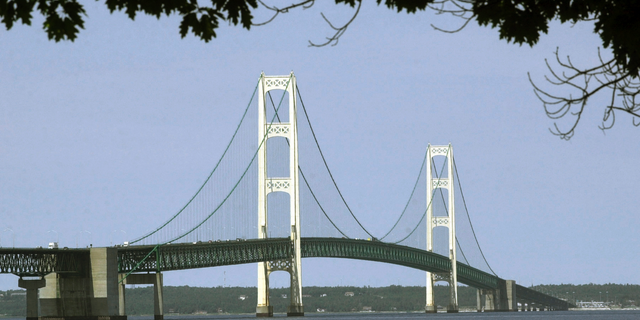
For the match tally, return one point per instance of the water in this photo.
(546, 315)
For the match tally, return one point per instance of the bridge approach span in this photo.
(202, 255)
(39, 262)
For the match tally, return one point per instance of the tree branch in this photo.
(304, 4)
(607, 76)
(333, 40)
(462, 9)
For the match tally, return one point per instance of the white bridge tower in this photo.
(266, 184)
(445, 181)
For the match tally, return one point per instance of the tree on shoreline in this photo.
(517, 21)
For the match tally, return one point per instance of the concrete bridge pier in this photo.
(490, 304)
(295, 308)
(264, 308)
(503, 298)
(32, 287)
(480, 299)
(147, 278)
(509, 298)
(89, 294)
(121, 299)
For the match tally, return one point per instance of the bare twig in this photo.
(304, 4)
(462, 9)
(606, 76)
(333, 40)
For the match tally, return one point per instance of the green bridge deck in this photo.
(202, 255)
(181, 256)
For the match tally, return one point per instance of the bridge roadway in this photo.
(181, 256)
(202, 255)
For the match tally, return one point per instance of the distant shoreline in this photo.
(185, 300)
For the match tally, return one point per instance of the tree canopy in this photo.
(517, 21)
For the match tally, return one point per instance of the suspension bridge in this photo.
(271, 199)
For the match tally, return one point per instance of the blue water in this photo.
(547, 315)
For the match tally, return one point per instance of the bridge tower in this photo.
(445, 181)
(266, 184)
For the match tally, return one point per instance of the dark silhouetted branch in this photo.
(304, 4)
(462, 9)
(333, 40)
(586, 83)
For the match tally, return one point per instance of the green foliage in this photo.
(63, 18)
(623, 295)
(517, 21)
(410, 5)
(520, 21)
(13, 303)
(189, 300)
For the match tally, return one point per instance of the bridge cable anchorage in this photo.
(444, 203)
(264, 139)
(424, 161)
(327, 166)
(424, 215)
(210, 174)
(469, 218)
(302, 173)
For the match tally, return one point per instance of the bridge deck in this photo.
(181, 256)
(202, 255)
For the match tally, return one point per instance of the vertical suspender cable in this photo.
(410, 197)
(264, 138)
(211, 174)
(302, 173)
(425, 210)
(471, 224)
(327, 166)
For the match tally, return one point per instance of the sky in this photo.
(102, 138)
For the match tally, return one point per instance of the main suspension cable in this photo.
(410, 197)
(327, 166)
(264, 138)
(210, 174)
(469, 218)
(302, 173)
(428, 205)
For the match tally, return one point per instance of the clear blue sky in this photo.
(128, 120)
